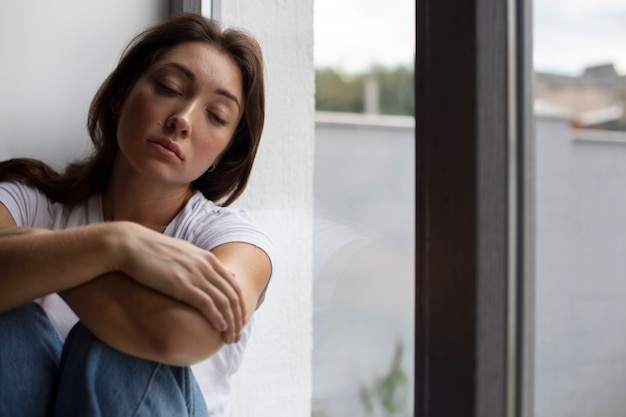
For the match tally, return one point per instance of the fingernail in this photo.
(223, 326)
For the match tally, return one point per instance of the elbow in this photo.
(183, 346)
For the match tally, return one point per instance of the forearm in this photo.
(144, 323)
(141, 322)
(37, 262)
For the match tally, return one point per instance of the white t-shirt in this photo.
(201, 222)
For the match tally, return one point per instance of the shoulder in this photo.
(28, 206)
(208, 225)
(19, 189)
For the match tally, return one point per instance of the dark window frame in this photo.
(474, 266)
(185, 6)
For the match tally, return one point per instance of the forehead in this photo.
(203, 63)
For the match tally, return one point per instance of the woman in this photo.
(137, 241)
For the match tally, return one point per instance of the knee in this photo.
(103, 370)
(26, 327)
(29, 361)
(83, 352)
(22, 316)
(114, 382)
(82, 346)
(80, 336)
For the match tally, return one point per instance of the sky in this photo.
(569, 35)
(354, 35)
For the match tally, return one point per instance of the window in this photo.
(364, 182)
(474, 264)
(580, 178)
(520, 209)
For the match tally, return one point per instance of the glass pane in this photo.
(580, 171)
(364, 209)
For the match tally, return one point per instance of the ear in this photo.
(215, 163)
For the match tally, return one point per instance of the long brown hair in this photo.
(225, 183)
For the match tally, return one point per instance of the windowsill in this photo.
(597, 135)
(362, 119)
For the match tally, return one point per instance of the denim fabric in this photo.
(90, 380)
(30, 348)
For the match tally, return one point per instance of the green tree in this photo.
(336, 91)
(397, 91)
(345, 92)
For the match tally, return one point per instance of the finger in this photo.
(212, 295)
(228, 285)
(230, 338)
(230, 278)
(236, 305)
(226, 337)
(242, 303)
(226, 301)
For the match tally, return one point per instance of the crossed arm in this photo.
(143, 293)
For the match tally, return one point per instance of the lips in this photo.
(168, 145)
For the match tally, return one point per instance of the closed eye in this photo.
(218, 119)
(164, 88)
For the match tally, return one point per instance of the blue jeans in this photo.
(40, 376)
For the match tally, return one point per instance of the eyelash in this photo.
(218, 119)
(166, 89)
(163, 87)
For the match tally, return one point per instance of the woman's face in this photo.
(180, 115)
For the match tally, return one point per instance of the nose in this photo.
(180, 121)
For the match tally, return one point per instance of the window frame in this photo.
(208, 8)
(474, 278)
(185, 6)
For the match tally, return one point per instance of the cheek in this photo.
(207, 152)
(137, 113)
(212, 146)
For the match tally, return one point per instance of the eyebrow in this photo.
(189, 74)
(225, 93)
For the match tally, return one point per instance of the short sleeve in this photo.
(28, 206)
(232, 225)
(207, 225)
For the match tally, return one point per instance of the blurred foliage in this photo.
(316, 412)
(397, 91)
(345, 92)
(388, 396)
(336, 91)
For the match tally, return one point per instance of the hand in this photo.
(185, 273)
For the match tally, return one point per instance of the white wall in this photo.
(276, 377)
(580, 240)
(56, 53)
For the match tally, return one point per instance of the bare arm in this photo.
(140, 316)
(35, 261)
(38, 262)
(147, 324)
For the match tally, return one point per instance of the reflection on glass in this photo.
(364, 210)
(580, 201)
